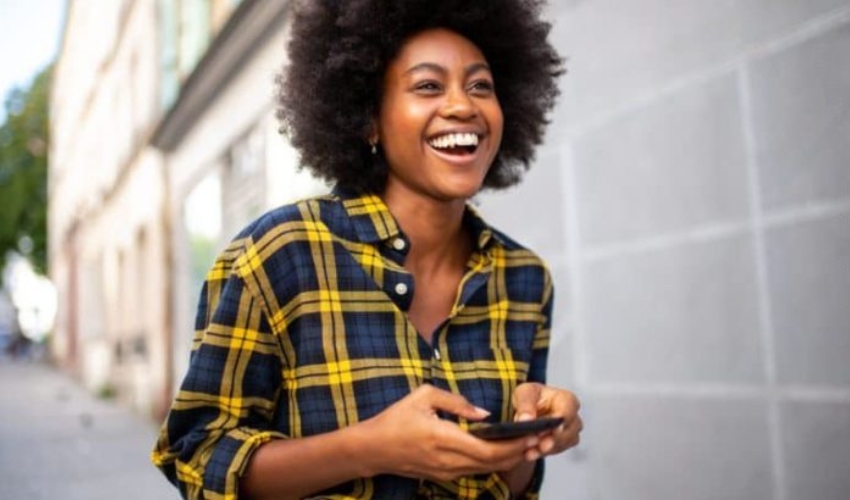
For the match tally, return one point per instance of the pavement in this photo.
(59, 441)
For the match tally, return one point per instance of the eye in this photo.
(481, 88)
(427, 87)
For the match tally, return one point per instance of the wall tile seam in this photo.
(805, 213)
(711, 391)
(648, 98)
(564, 324)
(714, 232)
(572, 261)
(698, 235)
(803, 33)
(765, 304)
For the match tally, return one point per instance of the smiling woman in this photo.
(438, 97)
(329, 100)
(346, 343)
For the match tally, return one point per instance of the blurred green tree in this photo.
(24, 140)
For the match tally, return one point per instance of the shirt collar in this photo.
(482, 233)
(373, 221)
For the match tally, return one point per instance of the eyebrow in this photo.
(428, 66)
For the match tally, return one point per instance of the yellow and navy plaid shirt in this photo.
(302, 329)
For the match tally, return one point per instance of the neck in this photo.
(435, 230)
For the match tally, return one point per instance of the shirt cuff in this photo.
(230, 458)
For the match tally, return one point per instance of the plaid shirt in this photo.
(302, 329)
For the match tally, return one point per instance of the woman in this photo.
(346, 343)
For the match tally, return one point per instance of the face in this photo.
(440, 123)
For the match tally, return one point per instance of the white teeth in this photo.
(453, 140)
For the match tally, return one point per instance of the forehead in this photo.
(440, 46)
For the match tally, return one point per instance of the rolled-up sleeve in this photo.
(228, 397)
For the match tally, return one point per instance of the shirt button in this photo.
(401, 289)
(399, 244)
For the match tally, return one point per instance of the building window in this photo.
(244, 181)
(194, 34)
(202, 213)
(185, 29)
(169, 81)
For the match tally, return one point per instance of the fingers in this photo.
(565, 404)
(456, 452)
(496, 455)
(525, 399)
(570, 436)
(438, 399)
(532, 400)
(421, 445)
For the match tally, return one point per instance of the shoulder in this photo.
(285, 233)
(293, 217)
(506, 251)
(510, 244)
(526, 272)
(517, 253)
(274, 254)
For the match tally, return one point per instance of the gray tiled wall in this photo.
(801, 120)
(809, 283)
(686, 448)
(693, 201)
(682, 314)
(675, 162)
(816, 440)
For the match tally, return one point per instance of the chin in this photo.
(457, 191)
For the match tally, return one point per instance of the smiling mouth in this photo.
(455, 144)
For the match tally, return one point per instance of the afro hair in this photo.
(329, 93)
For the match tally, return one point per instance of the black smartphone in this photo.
(511, 430)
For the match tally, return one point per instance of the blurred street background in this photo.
(692, 199)
(57, 440)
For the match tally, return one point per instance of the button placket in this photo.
(399, 287)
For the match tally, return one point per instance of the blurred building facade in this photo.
(163, 142)
(692, 199)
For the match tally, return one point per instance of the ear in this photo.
(374, 136)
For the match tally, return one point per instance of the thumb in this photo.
(455, 404)
(525, 400)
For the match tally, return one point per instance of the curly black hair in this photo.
(329, 94)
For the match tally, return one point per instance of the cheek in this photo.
(406, 123)
(497, 119)
(497, 124)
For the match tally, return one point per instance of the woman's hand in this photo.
(533, 400)
(411, 440)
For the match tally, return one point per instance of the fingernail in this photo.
(533, 455)
(521, 417)
(482, 411)
(547, 445)
(532, 442)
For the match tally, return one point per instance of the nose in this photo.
(458, 105)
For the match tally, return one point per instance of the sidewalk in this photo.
(58, 441)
